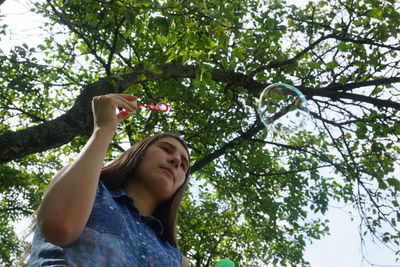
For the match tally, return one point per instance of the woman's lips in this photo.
(169, 171)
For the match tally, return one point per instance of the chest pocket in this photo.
(105, 217)
(105, 220)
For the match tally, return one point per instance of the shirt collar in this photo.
(119, 192)
(152, 221)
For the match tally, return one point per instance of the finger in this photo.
(127, 97)
(123, 104)
(116, 101)
(130, 97)
(130, 101)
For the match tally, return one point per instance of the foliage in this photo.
(261, 198)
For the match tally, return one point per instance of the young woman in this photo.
(123, 214)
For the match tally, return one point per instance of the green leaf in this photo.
(141, 77)
(382, 185)
(145, 3)
(342, 46)
(361, 130)
(91, 19)
(394, 183)
(162, 24)
(375, 13)
(291, 22)
(331, 65)
(152, 67)
(129, 16)
(377, 90)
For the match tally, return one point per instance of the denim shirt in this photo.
(115, 235)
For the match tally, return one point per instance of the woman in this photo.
(121, 215)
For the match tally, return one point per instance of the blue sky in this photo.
(341, 249)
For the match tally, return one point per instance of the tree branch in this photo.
(350, 86)
(339, 92)
(57, 132)
(339, 35)
(364, 41)
(78, 120)
(73, 28)
(292, 60)
(217, 153)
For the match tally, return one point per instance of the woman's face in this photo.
(163, 168)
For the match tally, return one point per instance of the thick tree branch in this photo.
(57, 132)
(339, 92)
(78, 120)
(351, 86)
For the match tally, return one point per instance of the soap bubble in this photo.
(283, 109)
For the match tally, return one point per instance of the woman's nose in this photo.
(175, 160)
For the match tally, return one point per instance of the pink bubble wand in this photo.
(161, 107)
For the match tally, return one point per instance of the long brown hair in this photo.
(115, 175)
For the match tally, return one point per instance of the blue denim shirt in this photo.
(115, 235)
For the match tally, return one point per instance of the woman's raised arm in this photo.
(67, 203)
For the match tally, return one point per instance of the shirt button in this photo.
(143, 243)
(138, 222)
(111, 208)
(143, 257)
(140, 234)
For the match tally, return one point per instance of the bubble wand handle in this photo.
(161, 106)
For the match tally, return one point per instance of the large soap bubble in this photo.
(283, 109)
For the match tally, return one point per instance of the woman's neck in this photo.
(144, 201)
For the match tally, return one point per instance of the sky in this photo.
(342, 248)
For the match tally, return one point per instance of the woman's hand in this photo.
(104, 110)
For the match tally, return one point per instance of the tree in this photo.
(211, 60)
